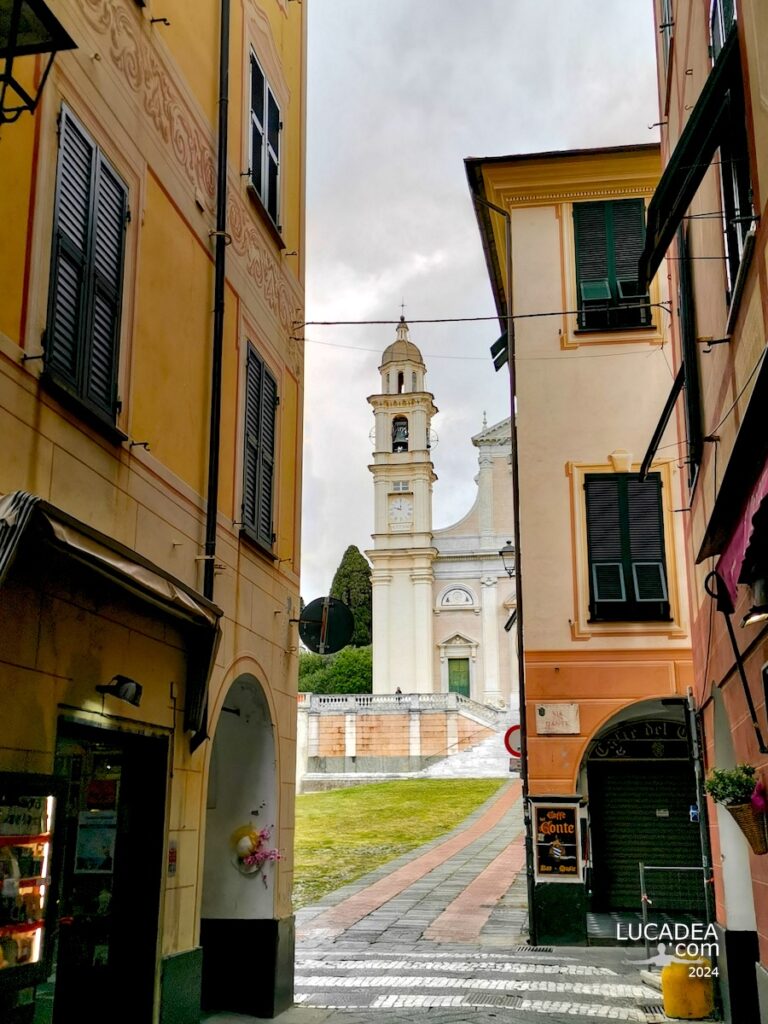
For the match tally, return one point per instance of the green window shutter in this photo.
(625, 539)
(110, 206)
(71, 237)
(609, 238)
(646, 539)
(259, 448)
(605, 539)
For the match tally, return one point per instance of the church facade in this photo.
(443, 603)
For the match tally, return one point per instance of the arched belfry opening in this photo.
(400, 434)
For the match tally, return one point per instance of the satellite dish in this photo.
(326, 625)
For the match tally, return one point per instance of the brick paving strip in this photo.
(337, 919)
(463, 920)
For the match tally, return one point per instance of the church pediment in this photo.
(500, 433)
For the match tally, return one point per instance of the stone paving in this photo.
(441, 934)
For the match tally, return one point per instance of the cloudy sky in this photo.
(399, 93)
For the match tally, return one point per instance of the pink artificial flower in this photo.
(758, 798)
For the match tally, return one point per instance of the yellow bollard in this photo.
(687, 990)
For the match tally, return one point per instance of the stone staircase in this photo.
(486, 760)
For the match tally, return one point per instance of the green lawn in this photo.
(344, 833)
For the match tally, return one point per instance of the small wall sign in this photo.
(557, 720)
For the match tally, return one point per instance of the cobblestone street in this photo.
(442, 932)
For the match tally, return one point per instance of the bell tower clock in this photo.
(403, 553)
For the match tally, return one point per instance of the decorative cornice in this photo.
(153, 83)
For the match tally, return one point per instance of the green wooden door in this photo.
(458, 676)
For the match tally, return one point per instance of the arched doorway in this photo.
(643, 809)
(238, 909)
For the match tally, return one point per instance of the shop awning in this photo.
(748, 455)
(661, 426)
(690, 160)
(730, 563)
(27, 519)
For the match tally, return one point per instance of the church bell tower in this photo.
(403, 553)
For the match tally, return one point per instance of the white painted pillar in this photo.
(490, 689)
(414, 733)
(422, 631)
(313, 734)
(380, 600)
(452, 732)
(350, 734)
(485, 500)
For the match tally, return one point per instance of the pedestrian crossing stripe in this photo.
(592, 1011)
(607, 990)
(464, 966)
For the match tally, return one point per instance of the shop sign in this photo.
(557, 842)
(643, 741)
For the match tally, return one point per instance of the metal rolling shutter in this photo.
(626, 830)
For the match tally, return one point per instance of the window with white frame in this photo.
(401, 485)
(266, 126)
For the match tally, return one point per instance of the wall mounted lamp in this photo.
(123, 688)
(27, 28)
(759, 610)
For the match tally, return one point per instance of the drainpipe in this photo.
(222, 239)
(694, 734)
(511, 349)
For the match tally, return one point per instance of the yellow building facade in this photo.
(149, 577)
(601, 573)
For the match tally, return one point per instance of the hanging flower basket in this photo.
(743, 795)
(752, 824)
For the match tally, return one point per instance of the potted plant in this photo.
(743, 796)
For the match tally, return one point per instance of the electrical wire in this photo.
(738, 397)
(298, 325)
(482, 359)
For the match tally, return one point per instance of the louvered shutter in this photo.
(628, 229)
(71, 236)
(646, 539)
(592, 269)
(267, 457)
(259, 449)
(251, 445)
(105, 287)
(604, 538)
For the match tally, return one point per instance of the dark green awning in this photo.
(661, 426)
(690, 159)
(27, 519)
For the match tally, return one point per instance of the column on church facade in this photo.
(422, 630)
(489, 596)
(380, 596)
(485, 500)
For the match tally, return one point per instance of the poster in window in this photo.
(96, 834)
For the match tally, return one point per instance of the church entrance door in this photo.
(458, 676)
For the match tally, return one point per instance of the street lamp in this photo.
(27, 28)
(507, 555)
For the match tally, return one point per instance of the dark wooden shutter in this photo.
(258, 94)
(646, 539)
(252, 430)
(259, 449)
(625, 542)
(687, 312)
(604, 538)
(106, 287)
(273, 157)
(592, 271)
(71, 238)
(267, 457)
(81, 347)
(628, 236)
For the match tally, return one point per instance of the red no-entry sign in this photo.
(512, 740)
